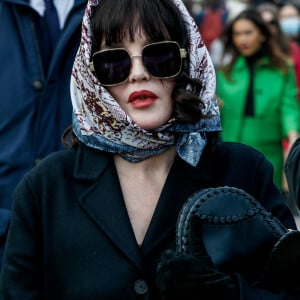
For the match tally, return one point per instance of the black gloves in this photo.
(224, 231)
(282, 267)
(193, 275)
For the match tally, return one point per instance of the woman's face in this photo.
(246, 37)
(145, 99)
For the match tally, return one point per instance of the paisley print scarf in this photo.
(99, 121)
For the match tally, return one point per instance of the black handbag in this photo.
(239, 234)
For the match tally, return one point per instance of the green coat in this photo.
(276, 109)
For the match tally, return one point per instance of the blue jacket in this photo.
(34, 108)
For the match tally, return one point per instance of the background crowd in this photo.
(258, 77)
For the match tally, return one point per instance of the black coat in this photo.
(71, 238)
(292, 170)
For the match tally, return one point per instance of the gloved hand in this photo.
(193, 275)
(283, 264)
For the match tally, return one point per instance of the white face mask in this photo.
(290, 26)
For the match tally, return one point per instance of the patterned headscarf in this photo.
(100, 122)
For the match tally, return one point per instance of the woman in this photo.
(92, 222)
(289, 17)
(270, 14)
(258, 90)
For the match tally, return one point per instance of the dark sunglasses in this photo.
(161, 59)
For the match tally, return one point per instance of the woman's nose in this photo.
(138, 71)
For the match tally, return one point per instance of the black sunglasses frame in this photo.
(181, 52)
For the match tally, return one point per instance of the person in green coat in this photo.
(257, 88)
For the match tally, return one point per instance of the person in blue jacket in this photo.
(36, 62)
(93, 221)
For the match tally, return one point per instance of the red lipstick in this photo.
(142, 99)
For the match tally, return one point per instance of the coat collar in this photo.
(90, 163)
(103, 203)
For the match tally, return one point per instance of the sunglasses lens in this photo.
(162, 59)
(112, 66)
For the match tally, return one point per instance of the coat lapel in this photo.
(103, 202)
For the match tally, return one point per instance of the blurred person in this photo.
(36, 54)
(216, 49)
(94, 221)
(270, 13)
(211, 20)
(258, 89)
(289, 19)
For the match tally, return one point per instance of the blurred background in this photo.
(282, 17)
(234, 6)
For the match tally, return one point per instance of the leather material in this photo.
(285, 259)
(238, 233)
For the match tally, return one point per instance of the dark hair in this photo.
(115, 18)
(277, 59)
(160, 20)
